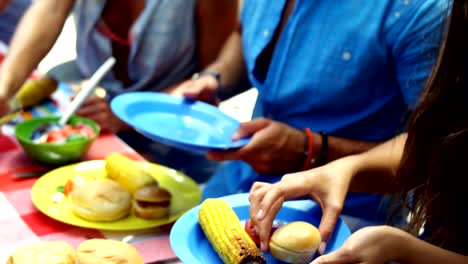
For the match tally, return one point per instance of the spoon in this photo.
(83, 94)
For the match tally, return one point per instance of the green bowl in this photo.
(50, 153)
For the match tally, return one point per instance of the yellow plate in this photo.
(185, 195)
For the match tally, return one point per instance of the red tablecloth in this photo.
(21, 223)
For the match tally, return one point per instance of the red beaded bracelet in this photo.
(310, 143)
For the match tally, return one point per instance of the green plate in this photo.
(185, 195)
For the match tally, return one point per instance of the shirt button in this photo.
(346, 56)
(266, 33)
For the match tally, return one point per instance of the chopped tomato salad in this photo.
(68, 133)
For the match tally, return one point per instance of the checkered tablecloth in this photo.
(21, 223)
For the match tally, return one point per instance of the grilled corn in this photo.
(127, 173)
(226, 234)
(34, 91)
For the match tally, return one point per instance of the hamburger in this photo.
(105, 251)
(57, 252)
(151, 202)
(100, 200)
(295, 242)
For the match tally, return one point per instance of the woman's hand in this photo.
(327, 185)
(274, 147)
(370, 245)
(4, 105)
(98, 110)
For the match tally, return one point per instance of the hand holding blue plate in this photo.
(177, 122)
(191, 246)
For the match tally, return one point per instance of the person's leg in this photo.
(66, 72)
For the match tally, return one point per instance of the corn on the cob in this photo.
(127, 173)
(34, 91)
(226, 234)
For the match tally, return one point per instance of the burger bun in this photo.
(295, 242)
(54, 252)
(106, 251)
(151, 202)
(100, 200)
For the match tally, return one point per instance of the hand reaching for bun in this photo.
(327, 185)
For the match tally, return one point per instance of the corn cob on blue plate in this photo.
(177, 122)
(191, 245)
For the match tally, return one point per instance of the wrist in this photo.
(398, 244)
(311, 144)
(8, 85)
(323, 153)
(214, 75)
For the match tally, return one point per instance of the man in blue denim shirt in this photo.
(348, 69)
(156, 43)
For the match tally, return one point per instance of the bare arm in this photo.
(382, 244)
(230, 63)
(216, 20)
(36, 33)
(375, 170)
(418, 251)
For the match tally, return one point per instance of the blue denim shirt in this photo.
(162, 52)
(10, 17)
(350, 68)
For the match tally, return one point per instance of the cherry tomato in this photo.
(68, 130)
(68, 187)
(55, 136)
(85, 130)
(249, 227)
(252, 233)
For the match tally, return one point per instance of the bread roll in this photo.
(151, 202)
(44, 253)
(105, 251)
(295, 242)
(100, 200)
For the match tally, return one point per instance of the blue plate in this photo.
(191, 246)
(177, 122)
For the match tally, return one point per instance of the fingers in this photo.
(340, 256)
(248, 128)
(327, 225)
(203, 89)
(264, 226)
(4, 107)
(245, 129)
(93, 106)
(257, 192)
(265, 202)
(262, 216)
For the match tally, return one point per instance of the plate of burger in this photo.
(217, 231)
(117, 193)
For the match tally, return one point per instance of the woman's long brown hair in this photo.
(434, 168)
